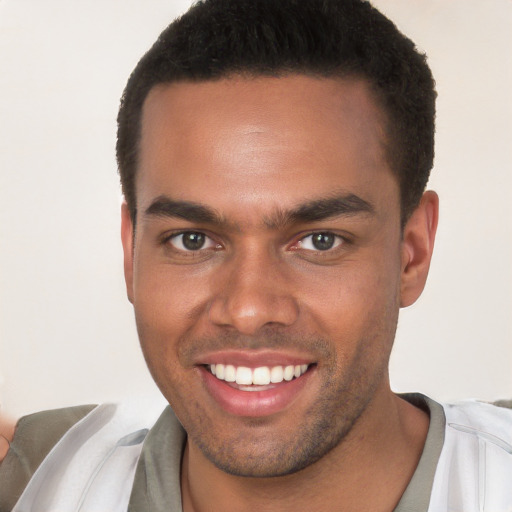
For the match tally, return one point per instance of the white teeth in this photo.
(276, 374)
(289, 372)
(243, 375)
(261, 376)
(229, 373)
(220, 371)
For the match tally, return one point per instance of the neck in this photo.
(368, 470)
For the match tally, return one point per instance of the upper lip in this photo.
(254, 358)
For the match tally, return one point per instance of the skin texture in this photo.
(6, 435)
(253, 153)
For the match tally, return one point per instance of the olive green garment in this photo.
(35, 436)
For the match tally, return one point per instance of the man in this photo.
(273, 157)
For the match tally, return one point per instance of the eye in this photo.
(321, 241)
(191, 241)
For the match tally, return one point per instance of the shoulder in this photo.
(38, 432)
(479, 417)
(476, 459)
(29, 442)
(473, 426)
(74, 456)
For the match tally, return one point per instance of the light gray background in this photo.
(67, 330)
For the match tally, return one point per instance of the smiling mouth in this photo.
(257, 390)
(251, 379)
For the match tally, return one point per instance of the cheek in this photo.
(168, 295)
(167, 307)
(360, 300)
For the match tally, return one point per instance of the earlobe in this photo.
(417, 247)
(128, 248)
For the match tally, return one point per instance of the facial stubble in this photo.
(261, 447)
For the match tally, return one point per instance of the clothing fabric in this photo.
(459, 440)
(36, 434)
(474, 472)
(92, 467)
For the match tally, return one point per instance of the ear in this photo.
(417, 246)
(128, 248)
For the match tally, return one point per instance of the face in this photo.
(267, 264)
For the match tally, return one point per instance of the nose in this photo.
(252, 292)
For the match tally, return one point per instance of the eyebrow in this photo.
(345, 205)
(164, 206)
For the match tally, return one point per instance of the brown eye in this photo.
(191, 241)
(321, 241)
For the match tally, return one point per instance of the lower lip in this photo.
(254, 403)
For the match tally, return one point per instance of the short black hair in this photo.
(322, 38)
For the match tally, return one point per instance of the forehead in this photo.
(268, 139)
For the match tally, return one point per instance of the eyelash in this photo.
(175, 236)
(339, 240)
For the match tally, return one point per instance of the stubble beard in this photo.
(319, 433)
(259, 450)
